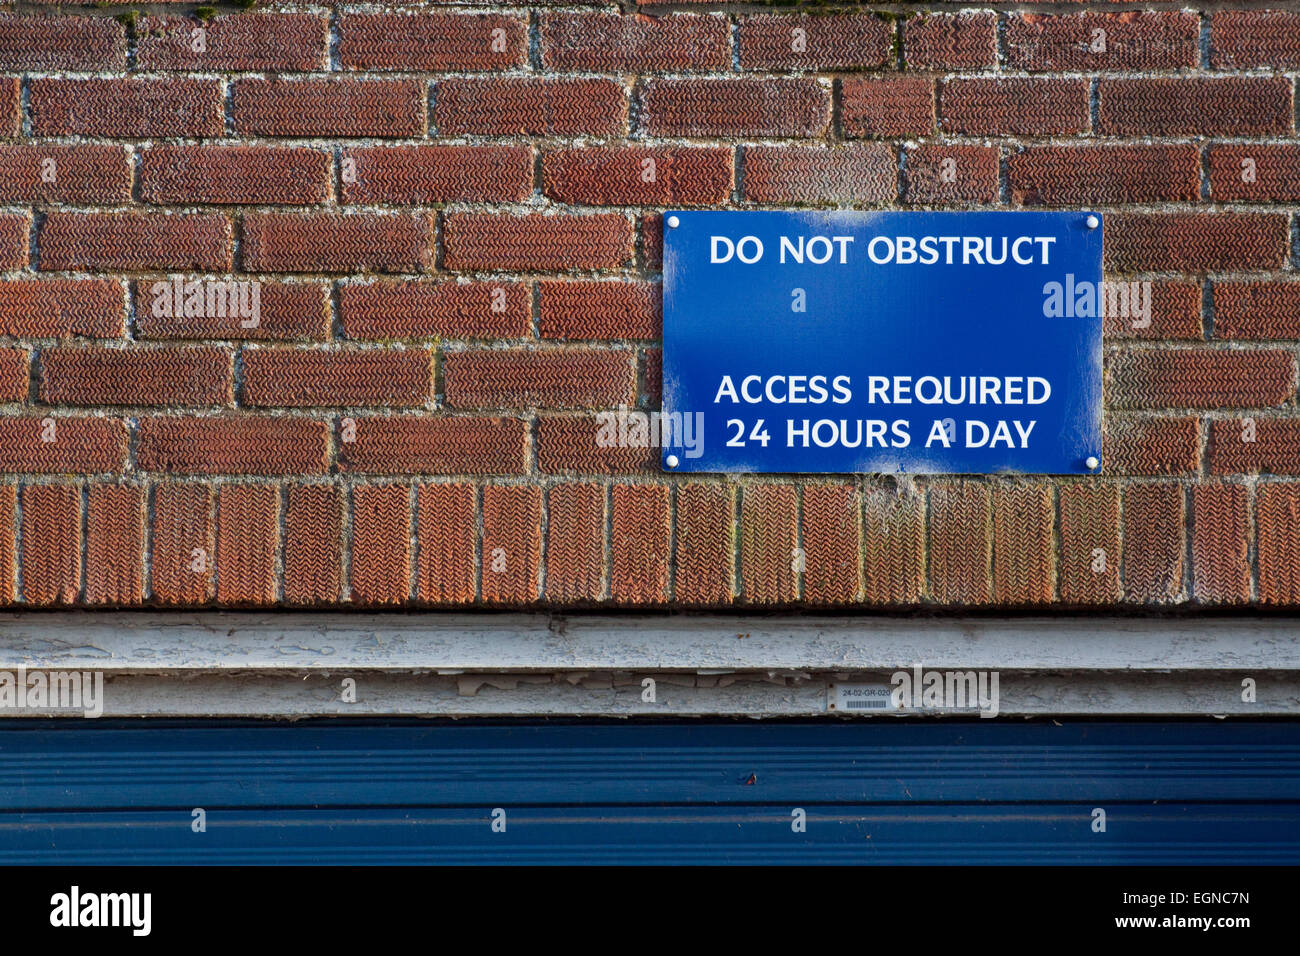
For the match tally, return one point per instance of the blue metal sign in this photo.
(887, 342)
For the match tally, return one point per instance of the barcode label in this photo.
(847, 697)
(865, 704)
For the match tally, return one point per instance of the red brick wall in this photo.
(458, 260)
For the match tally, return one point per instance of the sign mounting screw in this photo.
(672, 461)
(673, 222)
(1092, 462)
(1092, 222)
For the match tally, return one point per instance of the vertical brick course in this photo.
(381, 544)
(769, 534)
(313, 545)
(512, 543)
(1090, 543)
(51, 552)
(639, 544)
(184, 552)
(248, 537)
(115, 517)
(445, 571)
(1220, 543)
(705, 559)
(575, 542)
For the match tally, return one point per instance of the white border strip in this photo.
(153, 642)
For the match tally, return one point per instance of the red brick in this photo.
(432, 41)
(481, 241)
(893, 545)
(249, 42)
(529, 106)
(1201, 378)
(8, 543)
(768, 539)
(65, 174)
(417, 310)
(14, 232)
(1275, 449)
(832, 543)
(132, 241)
(512, 543)
(1023, 558)
(53, 308)
(330, 107)
(516, 378)
(640, 544)
(681, 106)
(164, 375)
(1257, 310)
(652, 377)
(1277, 510)
(433, 446)
(853, 173)
(1150, 446)
(51, 544)
(887, 106)
(1175, 311)
(243, 175)
(248, 540)
(418, 175)
(973, 169)
(184, 544)
(56, 446)
(313, 377)
(127, 107)
(1132, 40)
(568, 444)
(638, 175)
(233, 445)
(1195, 242)
(1274, 171)
(1220, 544)
(575, 543)
(705, 555)
(61, 43)
(445, 571)
(381, 544)
(1192, 106)
(10, 105)
(600, 310)
(652, 240)
(1014, 107)
(329, 242)
(15, 375)
(1154, 542)
(629, 43)
(837, 42)
(313, 545)
(115, 544)
(291, 311)
(1086, 175)
(1246, 38)
(960, 543)
(951, 41)
(1090, 546)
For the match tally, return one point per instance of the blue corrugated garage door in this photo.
(875, 791)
